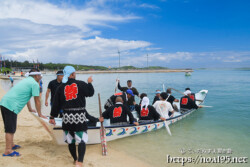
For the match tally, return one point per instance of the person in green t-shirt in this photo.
(13, 102)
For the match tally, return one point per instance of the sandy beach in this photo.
(39, 148)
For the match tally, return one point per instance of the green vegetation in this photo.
(50, 66)
(4, 69)
(58, 66)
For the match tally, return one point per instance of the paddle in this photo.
(167, 128)
(178, 91)
(163, 88)
(116, 84)
(166, 124)
(102, 130)
(206, 106)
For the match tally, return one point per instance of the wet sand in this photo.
(39, 148)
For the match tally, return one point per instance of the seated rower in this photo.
(124, 95)
(118, 114)
(146, 112)
(187, 103)
(192, 96)
(163, 107)
(157, 96)
(172, 99)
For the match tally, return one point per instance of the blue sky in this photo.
(174, 33)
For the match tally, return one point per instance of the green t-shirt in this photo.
(18, 96)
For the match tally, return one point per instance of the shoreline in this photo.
(18, 74)
(39, 148)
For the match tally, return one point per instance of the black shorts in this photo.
(9, 120)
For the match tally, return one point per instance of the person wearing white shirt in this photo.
(163, 107)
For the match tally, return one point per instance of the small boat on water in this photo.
(117, 132)
(188, 74)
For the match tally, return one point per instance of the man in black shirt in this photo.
(192, 96)
(118, 114)
(70, 97)
(53, 85)
(171, 98)
(126, 96)
(157, 96)
(186, 103)
(130, 102)
(146, 112)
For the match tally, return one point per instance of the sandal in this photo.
(13, 154)
(16, 147)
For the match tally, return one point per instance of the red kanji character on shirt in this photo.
(192, 97)
(144, 113)
(184, 101)
(117, 112)
(71, 91)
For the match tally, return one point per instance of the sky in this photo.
(167, 33)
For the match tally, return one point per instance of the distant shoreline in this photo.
(18, 74)
(131, 71)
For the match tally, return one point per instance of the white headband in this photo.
(33, 73)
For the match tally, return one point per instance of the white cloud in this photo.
(42, 12)
(145, 5)
(96, 51)
(31, 30)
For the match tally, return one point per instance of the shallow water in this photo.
(226, 125)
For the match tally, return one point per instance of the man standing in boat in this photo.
(70, 97)
(126, 96)
(53, 85)
(134, 90)
(13, 102)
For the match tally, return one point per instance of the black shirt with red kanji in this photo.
(187, 103)
(70, 97)
(147, 114)
(118, 113)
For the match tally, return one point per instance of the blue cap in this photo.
(67, 71)
(158, 91)
(129, 91)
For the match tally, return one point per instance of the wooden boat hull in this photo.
(117, 132)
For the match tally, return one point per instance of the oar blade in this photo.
(167, 128)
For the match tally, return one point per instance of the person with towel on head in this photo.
(12, 104)
(187, 103)
(146, 112)
(192, 96)
(70, 97)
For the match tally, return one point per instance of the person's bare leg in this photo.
(79, 164)
(9, 143)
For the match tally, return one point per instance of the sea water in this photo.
(208, 132)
